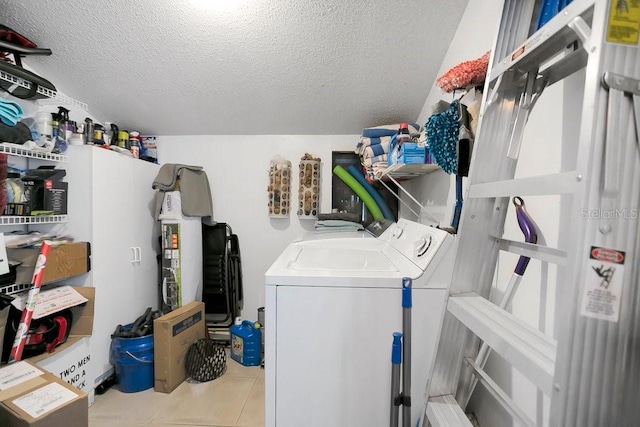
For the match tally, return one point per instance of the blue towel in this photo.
(365, 143)
(10, 112)
(368, 161)
(388, 130)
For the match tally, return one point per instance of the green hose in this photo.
(360, 191)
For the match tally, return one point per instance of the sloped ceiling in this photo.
(193, 67)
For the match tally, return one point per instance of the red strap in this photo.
(62, 330)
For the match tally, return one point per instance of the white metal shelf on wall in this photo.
(407, 171)
(14, 150)
(14, 288)
(27, 220)
(400, 170)
(48, 93)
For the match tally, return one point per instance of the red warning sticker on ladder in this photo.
(603, 287)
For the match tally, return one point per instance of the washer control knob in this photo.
(422, 246)
(397, 232)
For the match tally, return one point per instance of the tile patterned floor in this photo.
(234, 399)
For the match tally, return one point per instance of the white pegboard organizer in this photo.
(52, 96)
(25, 152)
(26, 220)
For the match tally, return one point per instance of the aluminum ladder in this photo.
(590, 369)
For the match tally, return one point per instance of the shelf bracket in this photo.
(422, 208)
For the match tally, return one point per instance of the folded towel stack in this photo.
(373, 147)
(10, 112)
(336, 225)
(344, 216)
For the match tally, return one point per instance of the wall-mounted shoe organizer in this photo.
(309, 189)
(279, 189)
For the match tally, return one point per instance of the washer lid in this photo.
(340, 259)
(337, 263)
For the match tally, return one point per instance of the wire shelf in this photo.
(54, 97)
(401, 170)
(25, 152)
(25, 220)
(14, 288)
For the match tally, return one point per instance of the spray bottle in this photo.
(88, 131)
(114, 134)
(55, 130)
(64, 125)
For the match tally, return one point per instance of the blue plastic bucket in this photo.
(133, 362)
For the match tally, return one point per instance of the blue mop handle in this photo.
(396, 360)
(396, 349)
(406, 292)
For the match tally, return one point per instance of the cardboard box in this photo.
(68, 260)
(171, 206)
(81, 326)
(181, 261)
(74, 366)
(411, 153)
(45, 191)
(173, 334)
(32, 397)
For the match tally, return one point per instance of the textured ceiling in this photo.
(188, 67)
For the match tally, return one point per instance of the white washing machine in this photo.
(332, 305)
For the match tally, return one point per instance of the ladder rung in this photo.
(571, 63)
(544, 43)
(444, 411)
(527, 349)
(543, 253)
(499, 395)
(557, 183)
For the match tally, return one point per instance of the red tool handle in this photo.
(27, 313)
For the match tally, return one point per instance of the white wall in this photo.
(237, 168)
(474, 37)
(541, 154)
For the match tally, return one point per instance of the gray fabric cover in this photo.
(194, 190)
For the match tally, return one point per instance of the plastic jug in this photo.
(246, 346)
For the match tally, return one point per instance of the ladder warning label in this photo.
(603, 288)
(624, 22)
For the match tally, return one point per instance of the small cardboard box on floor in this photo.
(173, 334)
(33, 397)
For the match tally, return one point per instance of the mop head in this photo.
(465, 74)
(443, 130)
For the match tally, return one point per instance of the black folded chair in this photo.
(222, 275)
